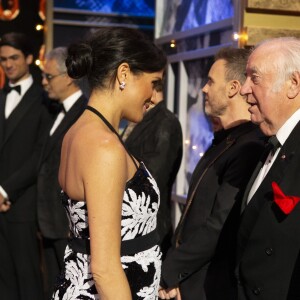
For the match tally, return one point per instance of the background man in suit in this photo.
(52, 218)
(217, 181)
(269, 234)
(157, 141)
(23, 121)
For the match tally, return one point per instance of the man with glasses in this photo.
(23, 121)
(52, 218)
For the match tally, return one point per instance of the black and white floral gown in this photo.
(143, 269)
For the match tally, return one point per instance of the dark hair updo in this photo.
(99, 56)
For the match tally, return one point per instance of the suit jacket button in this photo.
(256, 291)
(182, 275)
(269, 251)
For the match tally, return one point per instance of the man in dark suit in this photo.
(268, 253)
(23, 121)
(52, 218)
(217, 181)
(157, 141)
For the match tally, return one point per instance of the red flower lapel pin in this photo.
(286, 203)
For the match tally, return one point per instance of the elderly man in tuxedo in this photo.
(218, 182)
(268, 253)
(23, 121)
(52, 218)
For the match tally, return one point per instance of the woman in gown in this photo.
(110, 197)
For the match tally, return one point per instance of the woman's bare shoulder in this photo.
(98, 143)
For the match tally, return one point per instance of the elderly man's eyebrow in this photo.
(252, 70)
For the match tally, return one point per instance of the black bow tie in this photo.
(7, 89)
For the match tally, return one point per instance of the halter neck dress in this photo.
(140, 254)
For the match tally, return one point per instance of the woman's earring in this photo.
(122, 85)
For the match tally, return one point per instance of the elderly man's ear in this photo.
(294, 88)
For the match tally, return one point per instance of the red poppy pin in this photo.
(285, 203)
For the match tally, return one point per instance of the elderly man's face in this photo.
(267, 104)
(55, 82)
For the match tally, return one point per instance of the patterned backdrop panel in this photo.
(181, 15)
(131, 7)
(198, 128)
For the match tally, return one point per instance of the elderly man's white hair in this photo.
(286, 61)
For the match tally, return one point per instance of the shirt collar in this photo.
(286, 129)
(25, 84)
(68, 102)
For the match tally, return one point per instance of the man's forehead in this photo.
(254, 63)
(8, 51)
(51, 64)
(217, 66)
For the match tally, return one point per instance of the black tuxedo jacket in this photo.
(268, 240)
(52, 218)
(157, 141)
(216, 184)
(21, 139)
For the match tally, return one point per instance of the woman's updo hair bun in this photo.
(100, 55)
(79, 60)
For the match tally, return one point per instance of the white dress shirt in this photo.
(13, 98)
(282, 135)
(67, 103)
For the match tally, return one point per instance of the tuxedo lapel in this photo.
(22, 108)
(210, 157)
(66, 123)
(2, 117)
(203, 166)
(253, 177)
(264, 192)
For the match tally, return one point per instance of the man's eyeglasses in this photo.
(49, 77)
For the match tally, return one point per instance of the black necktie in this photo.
(61, 108)
(272, 145)
(7, 89)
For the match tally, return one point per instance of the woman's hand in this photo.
(169, 293)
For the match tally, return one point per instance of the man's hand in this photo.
(5, 206)
(169, 293)
(2, 199)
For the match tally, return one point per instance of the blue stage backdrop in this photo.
(181, 15)
(143, 8)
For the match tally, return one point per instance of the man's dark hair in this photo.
(236, 60)
(18, 41)
(159, 84)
